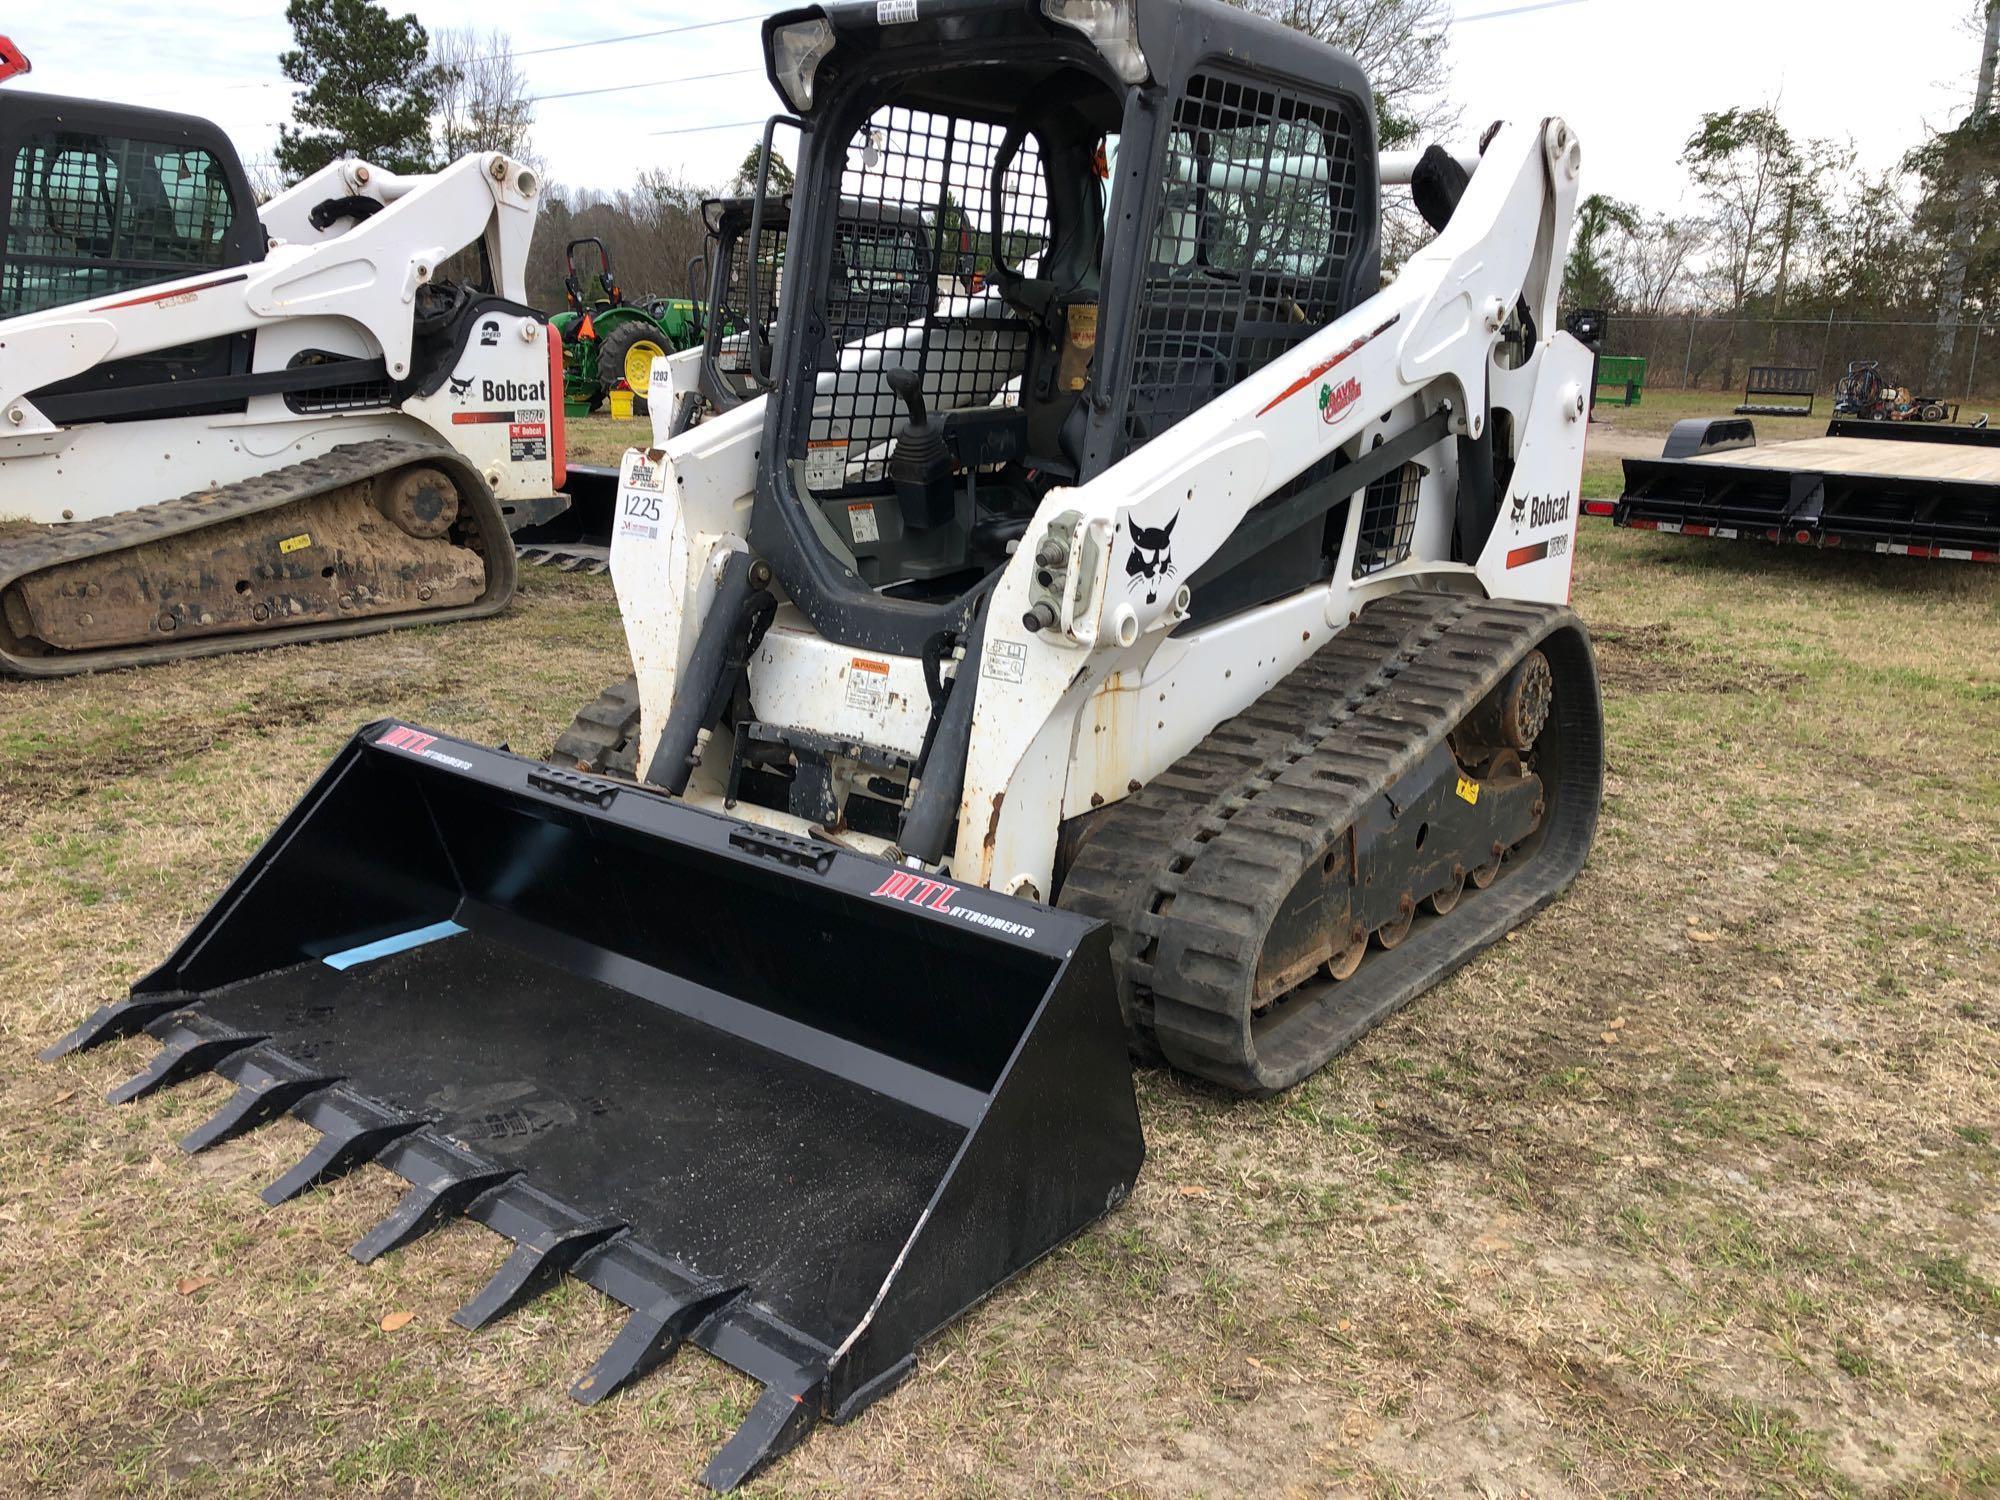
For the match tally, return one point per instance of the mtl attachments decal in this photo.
(913, 889)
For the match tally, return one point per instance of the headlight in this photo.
(796, 51)
(1111, 25)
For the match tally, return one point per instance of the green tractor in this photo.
(606, 339)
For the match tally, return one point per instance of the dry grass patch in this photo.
(1746, 1245)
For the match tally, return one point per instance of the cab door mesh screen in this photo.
(88, 215)
(918, 181)
(734, 315)
(1259, 218)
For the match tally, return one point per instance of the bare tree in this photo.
(1958, 253)
(1745, 163)
(1650, 264)
(483, 102)
(652, 230)
(267, 178)
(1401, 46)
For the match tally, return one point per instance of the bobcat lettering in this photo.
(513, 390)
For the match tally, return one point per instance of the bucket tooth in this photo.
(531, 1269)
(349, 1139)
(108, 1023)
(778, 1423)
(180, 1060)
(441, 1194)
(267, 1085)
(250, 1106)
(651, 1337)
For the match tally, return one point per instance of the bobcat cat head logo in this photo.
(460, 387)
(1151, 560)
(1520, 505)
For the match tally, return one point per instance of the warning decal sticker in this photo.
(867, 684)
(1006, 661)
(826, 463)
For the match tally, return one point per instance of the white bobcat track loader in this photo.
(1158, 644)
(316, 419)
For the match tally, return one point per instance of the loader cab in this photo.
(98, 199)
(880, 277)
(1129, 207)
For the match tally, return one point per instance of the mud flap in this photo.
(786, 1102)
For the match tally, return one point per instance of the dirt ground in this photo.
(1689, 1188)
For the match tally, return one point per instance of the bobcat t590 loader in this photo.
(323, 432)
(1158, 644)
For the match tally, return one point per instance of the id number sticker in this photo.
(895, 12)
(639, 516)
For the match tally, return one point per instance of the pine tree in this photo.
(367, 86)
(777, 184)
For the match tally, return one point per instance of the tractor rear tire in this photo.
(616, 345)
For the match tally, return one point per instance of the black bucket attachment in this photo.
(794, 1105)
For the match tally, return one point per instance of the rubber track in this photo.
(348, 464)
(604, 735)
(1190, 870)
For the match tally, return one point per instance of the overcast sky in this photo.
(1630, 75)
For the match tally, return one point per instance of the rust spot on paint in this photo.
(993, 824)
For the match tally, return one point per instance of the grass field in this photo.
(1689, 1188)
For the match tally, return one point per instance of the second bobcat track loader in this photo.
(245, 427)
(1158, 645)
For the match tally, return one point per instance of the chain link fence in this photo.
(1692, 352)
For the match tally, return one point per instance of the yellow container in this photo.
(621, 406)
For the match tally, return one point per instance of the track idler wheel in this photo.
(1513, 715)
(1442, 901)
(1343, 964)
(1393, 931)
(1524, 701)
(420, 500)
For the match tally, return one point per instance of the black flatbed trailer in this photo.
(1903, 488)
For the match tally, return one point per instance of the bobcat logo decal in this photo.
(1151, 560)
(460, 387)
